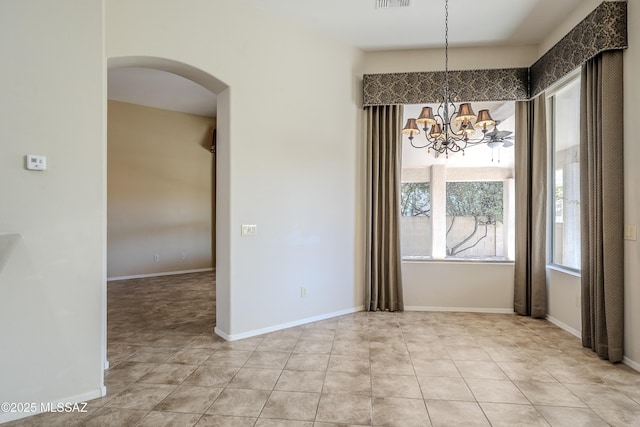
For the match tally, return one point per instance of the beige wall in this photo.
(159, 190)
(51, 286)
(290, 154)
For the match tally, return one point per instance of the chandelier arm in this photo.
(418, 146)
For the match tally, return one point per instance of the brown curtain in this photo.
(601, 212)
(530, 283)
(383, 288)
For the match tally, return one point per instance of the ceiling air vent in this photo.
(387, 4)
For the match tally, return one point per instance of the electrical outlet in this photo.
(156, 258)
(630, 232)
(303, 292)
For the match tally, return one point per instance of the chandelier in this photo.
(450, 129)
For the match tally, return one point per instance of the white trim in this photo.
(460, 309)
(562, 325)
(166, 273)
(78, 398)
(106, 365)
(630, 363)
(243, 335)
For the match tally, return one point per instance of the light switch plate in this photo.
(249, 230)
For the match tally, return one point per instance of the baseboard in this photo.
(235, 337)
(630, 363)
(5, 417)
(166, 273)
(564, 326)
(459, 309)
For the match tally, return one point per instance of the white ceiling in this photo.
(160, 89)
(360, 24)
(421, 25)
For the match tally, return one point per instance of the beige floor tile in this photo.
(168, 374)
(190, 356)
(240, 403)
(620, 418)
(549, 394)
(320, 334)
(225, 421)
(116, 417)
(519, 371)
(291, 406)
(152, 354)
(210, 342)
(599, 396)
(466, 352)
(285, 345)
(167, 419)
(265, 422)
(174, 340)
(497, 391)
(400, 412)
(345, 363)
(228, 357)
(347, 383)
(445, 388)
(155, 324)
(247, 344)
(349, 348)
(445, 413)
(255, 379)
(392, 364)
(128, 372)
(435, 368)
(313, 347)
(480, 369)
(396, 386)
(267, 360)
(344, 409)
(189, 399)
(302, 381)
(211, 376)
(509, 415)
(571, 417)
(141, 396)
(574, 374)
(308, 362)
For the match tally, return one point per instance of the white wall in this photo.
(291, 153)
(477, 58)
(631, 179)
(563, 294)
(51, 287)
(458, 286)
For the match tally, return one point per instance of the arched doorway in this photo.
(219, 179)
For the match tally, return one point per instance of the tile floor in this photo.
(405, 369)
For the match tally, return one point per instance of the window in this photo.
(475, 219)
(564, 137)
(460, 208)
(415, 221)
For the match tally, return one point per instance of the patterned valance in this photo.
(604, 29)
(468, 85)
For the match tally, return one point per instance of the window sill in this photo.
(564, 270)
(456, 260)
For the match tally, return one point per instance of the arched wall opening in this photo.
(221, 190)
